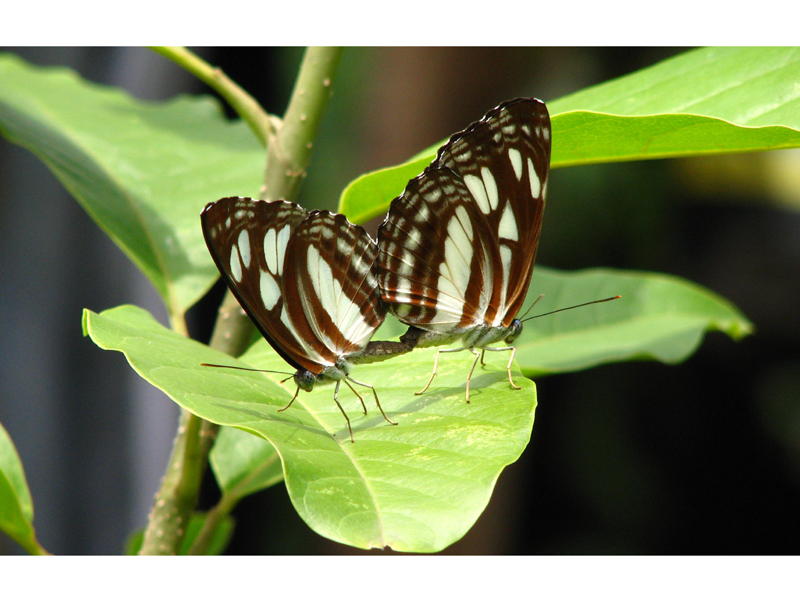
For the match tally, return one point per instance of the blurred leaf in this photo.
(706, 101)
(658, 317)
(221, 538)
(244, 463)
(142, 170)
(16, 507)
(416, 487)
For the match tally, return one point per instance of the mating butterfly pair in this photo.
(454, 256)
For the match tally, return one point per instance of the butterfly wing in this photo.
(248, 241)
(297, 276)
(458, 246)
(331, 272)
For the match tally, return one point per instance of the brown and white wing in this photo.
(248, 240)
(331, 273)
(458, 246)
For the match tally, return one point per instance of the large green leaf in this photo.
(417, 487)
(658, 317)
(707, 101)
(142, 170)
(16, 507)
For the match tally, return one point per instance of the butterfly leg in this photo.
(472, 370)
(364, 406)
(290, 401)
(346, 418)
(435, 366)
(374, 393)
(510, 360)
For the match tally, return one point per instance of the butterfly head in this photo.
(305, 380)
(515, 329)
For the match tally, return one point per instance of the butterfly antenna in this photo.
(571, 307)
(535, 302)
(246, 369)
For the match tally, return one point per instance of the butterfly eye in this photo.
(516, 329)
(305, 380)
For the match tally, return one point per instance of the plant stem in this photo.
(289, 153)
(230, 498)
(177, 495)
(233, 328)
(214, 518)
(243, 103)
(288, 157)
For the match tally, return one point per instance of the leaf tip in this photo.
(85, 321)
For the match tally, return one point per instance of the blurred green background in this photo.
(637, 458)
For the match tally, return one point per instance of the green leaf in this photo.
(221, 538)
(244, 463)
(16, 506)
(706, 101)
(142, 170)
(415, 487)
(658, 317)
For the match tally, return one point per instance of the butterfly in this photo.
(457, 247)
(306, 279)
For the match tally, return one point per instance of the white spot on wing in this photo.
(434, 195)
(508, 224)
(270, 251)
(282, 241)
(406, 265)
(491, 186)
(244, 247)
(270, 292)
(536, 186)
(344, 247)
(466, 224)
(516, 161)
(412, 241)
(322, 280)
(505, 259)
(424, 211)
(236, 265)
(475, 186)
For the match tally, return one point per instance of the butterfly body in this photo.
(458, 246)
(477, 336)
(306, 279)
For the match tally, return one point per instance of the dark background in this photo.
(637, 458)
